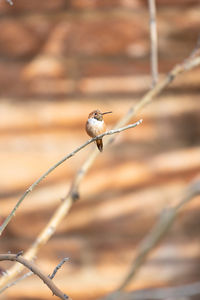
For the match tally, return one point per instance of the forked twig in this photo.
(33, 268)
(30, 189)
(28, 274)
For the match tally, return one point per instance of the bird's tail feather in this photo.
(99, 144)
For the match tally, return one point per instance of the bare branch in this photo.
(30, 189)
(174, 292)
(33, 268)
(153, 38)
(65, 206)
(31, 273)
(16, 281)
(58, 267)
(158, 232)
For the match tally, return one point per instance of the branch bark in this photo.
(33, 268)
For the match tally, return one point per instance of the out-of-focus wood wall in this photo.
(59, 60)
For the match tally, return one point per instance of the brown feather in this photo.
(99, 144)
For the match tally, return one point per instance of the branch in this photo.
(31, 273)
(16, 281)
(158, 232)
(30, 189)
(33, 268)
(65, 206)
(174, 292)
(153, 38)
(58, 267)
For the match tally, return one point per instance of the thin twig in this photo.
(33, 268)
(58, 267)
(65, 206)
(31, 188)
(26, 275)
(159, 231)
(153, 38)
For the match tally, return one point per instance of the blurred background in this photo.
(59, 60)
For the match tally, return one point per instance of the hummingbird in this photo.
(95, 125)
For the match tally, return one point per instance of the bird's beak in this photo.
(107, 112)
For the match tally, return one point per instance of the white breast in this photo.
(95, 127)
(96, 123)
